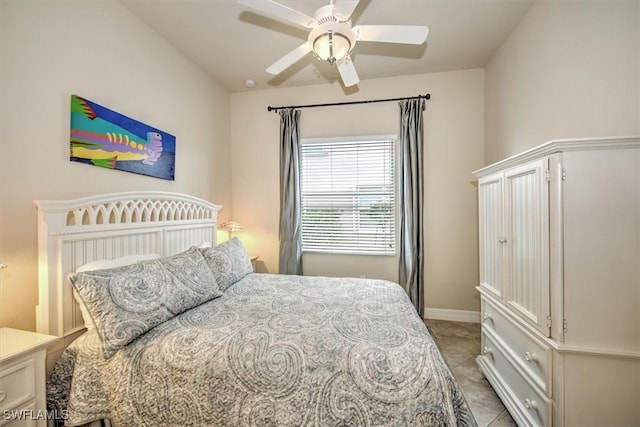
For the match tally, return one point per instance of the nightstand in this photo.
(23, 396)
(253, 259)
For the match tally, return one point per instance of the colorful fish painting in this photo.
(105, 138)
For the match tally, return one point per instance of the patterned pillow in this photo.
(125, 302)
(101, 265)
(228, 261)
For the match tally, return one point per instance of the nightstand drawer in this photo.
(530, 353)
(17, 384)
(24, 417)
(22, 377)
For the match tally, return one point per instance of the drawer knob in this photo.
(502, 240)
(530, 404)
(487, 350)
(3, 395)
(486, 316)
(531, 357)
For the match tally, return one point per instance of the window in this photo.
(348, 195)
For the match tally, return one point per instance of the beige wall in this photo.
(52, 49)
(569, 69)
(454, 129)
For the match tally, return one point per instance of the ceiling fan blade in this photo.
(348, 72)
(409, 34)
(289, 59)
(344, 8)
(280, 12)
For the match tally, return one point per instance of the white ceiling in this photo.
(234, 44)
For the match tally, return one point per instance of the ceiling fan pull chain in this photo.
(331, 59)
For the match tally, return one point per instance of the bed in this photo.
(188, 334)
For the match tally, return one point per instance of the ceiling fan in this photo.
(331, 36)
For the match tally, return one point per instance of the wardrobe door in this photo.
(490, 213)
(526, 194)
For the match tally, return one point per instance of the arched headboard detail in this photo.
(74, 232)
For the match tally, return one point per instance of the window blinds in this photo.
(348, 195)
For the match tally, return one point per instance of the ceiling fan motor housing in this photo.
(331, 39)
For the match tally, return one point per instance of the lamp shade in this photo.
(231, 226)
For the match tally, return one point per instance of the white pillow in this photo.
(101, 265)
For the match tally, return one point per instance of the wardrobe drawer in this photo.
(530, 406)
(527, 351)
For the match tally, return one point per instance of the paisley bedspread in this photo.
(272, 351)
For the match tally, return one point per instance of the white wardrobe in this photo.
(560, 282)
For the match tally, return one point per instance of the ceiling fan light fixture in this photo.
(331, 46)
(331, 41)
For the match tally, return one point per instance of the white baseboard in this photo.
(452, 315)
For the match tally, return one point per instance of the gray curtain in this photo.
(290, 236)
(411, 269)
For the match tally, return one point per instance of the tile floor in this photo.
(460, 344)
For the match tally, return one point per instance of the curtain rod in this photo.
(275, 109)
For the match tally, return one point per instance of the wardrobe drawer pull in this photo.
(530, 404)
(487, 316)
(531, 357)
(487, 350)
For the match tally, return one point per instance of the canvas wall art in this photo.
(105, 138)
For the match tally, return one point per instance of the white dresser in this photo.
(559, 248)
(22, 377)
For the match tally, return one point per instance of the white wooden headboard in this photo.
(74, 232)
